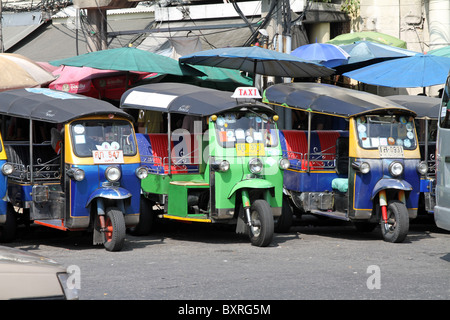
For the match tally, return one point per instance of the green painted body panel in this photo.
(224, 186)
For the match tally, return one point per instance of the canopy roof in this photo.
(328, 99)
(425, 107)
(185, 99)
(53, 106)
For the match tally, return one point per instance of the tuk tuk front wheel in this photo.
(114, 230)
(261, 226)
(396, 227)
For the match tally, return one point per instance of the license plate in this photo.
(107, 156)
(391, 151)
(250, 149)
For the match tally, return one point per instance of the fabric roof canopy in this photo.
(425, 107)
(182, 98)
(327, 99)
(53, 106)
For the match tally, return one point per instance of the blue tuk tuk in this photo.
(427, 110)
(76, 163)
(357, 160)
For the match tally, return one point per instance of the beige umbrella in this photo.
(18, 71)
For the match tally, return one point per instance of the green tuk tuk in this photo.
(223, 165)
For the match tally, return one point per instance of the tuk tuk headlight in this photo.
(362, 167)
(222, 166)
(395, 169)
(7, 168)
(112, 174)
(255, 165)
(76, 174)
(284, 163)
(141, 173)
(422, 168)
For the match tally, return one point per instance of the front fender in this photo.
(384, 184)
(115, 193)
(251, 184)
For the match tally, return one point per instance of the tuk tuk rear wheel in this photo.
(146, 218)
(397, 226)
(8, 230)
(114, 232)
(284, 222)
(262, 224)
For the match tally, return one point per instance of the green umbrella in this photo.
(129, 59)
(349, 38)
(443, 52)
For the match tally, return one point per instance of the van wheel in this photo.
(397, 226)
(262, 225)
(114, 232)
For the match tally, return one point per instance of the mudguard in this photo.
(251, 184)
(384, 184)
(116, 193)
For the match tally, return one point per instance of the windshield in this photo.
(236, 128)
(91, 135)
(377, 131)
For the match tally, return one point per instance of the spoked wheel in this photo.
(397, 225)
(262, 225)
(114, 229)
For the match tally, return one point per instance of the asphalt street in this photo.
(317, 259)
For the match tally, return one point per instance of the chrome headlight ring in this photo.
(113, 174)
(255, 165)
(395, 168)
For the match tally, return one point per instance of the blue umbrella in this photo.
(257, 60)
(326, 54)
(421, 70)
(364, 53)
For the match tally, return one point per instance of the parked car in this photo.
(25, 275)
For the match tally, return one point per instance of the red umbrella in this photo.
(110, 84)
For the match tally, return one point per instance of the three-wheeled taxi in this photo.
(218, 162)
(76, 163)
(427, 110)
(7, 221)
(362, 166)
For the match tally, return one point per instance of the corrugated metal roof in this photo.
(70, 11)
(58, 41)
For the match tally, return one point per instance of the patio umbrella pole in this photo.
(254, 73)
(168, 143)
(309, 139)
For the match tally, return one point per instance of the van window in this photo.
(445, 112)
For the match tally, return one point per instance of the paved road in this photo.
(317, 259)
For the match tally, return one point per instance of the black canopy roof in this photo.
(425, 107)
(185, 99)
(53, 106)
(328, 99)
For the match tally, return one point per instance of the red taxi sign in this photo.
(246, 93)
